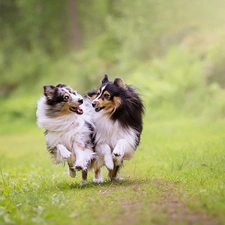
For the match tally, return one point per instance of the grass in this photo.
(176, 177)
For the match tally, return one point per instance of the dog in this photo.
(69, 128)
(118, 116)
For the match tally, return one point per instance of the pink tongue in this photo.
(79, 110)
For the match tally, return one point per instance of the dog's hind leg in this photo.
(98, 176)
(72, 171)
(84, 178)
(112, 175)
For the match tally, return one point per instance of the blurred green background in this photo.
(173, 51)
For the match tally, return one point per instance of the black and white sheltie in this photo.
(67, 118)
(119, 110)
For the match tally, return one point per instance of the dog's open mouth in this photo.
(77, 110)
(97, 109)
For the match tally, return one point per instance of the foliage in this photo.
(176, 84)
(179, 83)
(172, 53)
(28, 24)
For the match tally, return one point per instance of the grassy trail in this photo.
(177, 176)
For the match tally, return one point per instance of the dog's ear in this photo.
(105, 79)
(119, 83)
(91, 94)
(60, 85)
(49, 91)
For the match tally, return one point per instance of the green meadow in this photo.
(175, 177)
(173, 52)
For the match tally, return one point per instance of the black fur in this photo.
(92, 136)
(130, 111)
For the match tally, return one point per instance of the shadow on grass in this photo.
(111, 184)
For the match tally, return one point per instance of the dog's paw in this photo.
(109, 163)
(117, 179)
(80, 167)
(72, 172)
(98, 180)
(65, 154)
(118, 153)
(93, 156)
(83, 182)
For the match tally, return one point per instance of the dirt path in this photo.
(164, 206)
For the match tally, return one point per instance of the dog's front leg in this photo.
(105, 150)
(62, 154)
(80, 163)
(123, 150)
(84, 156)
(71, 170)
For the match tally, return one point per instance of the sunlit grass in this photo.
(177, 170)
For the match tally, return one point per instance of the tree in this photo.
(75, 29)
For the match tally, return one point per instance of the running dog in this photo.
(67, 119)
(119, 111)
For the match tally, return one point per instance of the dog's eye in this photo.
(106, 95)
(66, 98)
(73, 92)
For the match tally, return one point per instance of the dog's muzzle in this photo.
(94, 104)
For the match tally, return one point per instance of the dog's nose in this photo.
(93, 104)
(80, 100)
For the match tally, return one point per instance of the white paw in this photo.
(109, 163)
(80, 167)
(66, 155)
(63, 151)
(83, 182)
(118, 153)
(98, 181)
(84, 159)
(117, 178)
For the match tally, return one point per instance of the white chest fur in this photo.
(64, 129)
(110, 132)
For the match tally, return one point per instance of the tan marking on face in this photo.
(110, 106)
(65, 109)
(70, 103)
(117, 102)
(106, 95)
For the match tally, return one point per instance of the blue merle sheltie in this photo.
(118, 115)
(67, 118)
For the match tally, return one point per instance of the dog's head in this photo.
(108, 96)
(62, 99)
